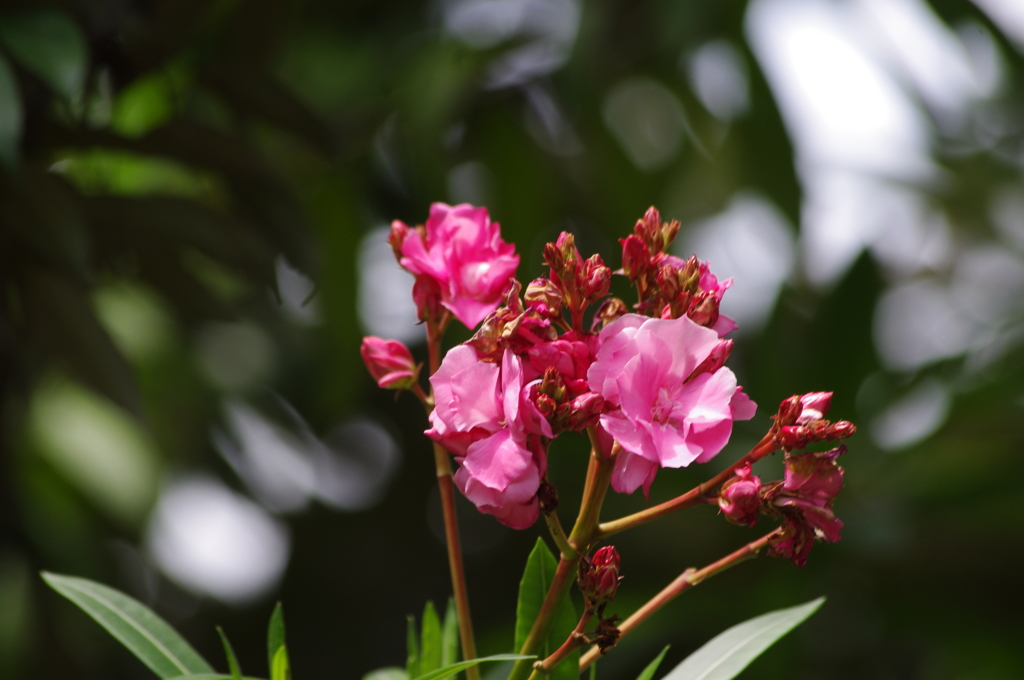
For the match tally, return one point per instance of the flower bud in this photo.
(389, 362)
(427, 295)
(814, 475)
(715, 360)
(609, 310)
(636, 257)
(599, 576)
(740, 497)
(814, 406)
(584, 411)
(399, 231)
(842, 429)
(597, 278)
(544, 296)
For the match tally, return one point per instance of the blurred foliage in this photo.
(164, 160)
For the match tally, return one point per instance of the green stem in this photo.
(558, 535)
(683, 582)
(695, 496)
(599, 473)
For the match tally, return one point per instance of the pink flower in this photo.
(389, 362)
(666, 416)
(482, 417)
(463, 252)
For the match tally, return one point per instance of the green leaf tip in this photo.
(723, 657)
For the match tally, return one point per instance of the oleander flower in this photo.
(463, 252)
(482, 417)
(668, 414)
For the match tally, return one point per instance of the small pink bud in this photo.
(427, 296)
(389, 362)
(789, 411)
(597, 278)
(636, 257)
(740, 497)
(599, 576)
(544, 296)
(814, 406)
(399, 230)
(715, 360)
(842, 429)
(584, 410)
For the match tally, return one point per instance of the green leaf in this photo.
(430, 640)
(145, 634)
(648, 672)
(450, 635)
(412, 646)
(388, 673)
(209, 676)
(279, 668)
(275, 635)
(10, 115)
(236, 671)
(730, 652)
(449, 671)
(540, 570)
(48, 43)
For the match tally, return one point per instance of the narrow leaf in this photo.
(135, 626)
(275, 634)
(449, 671)
(430, 640)
(10, 115)
(48, 43)
(730, 652)
(450, 635)
(279, 668)
(389, 673)
(540, 571)
(412, 647)
(648, 672)
(236, 671)
(209, 676)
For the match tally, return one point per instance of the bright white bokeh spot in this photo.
(100, 449)
(718, 76)
(839, 105)
(386, 308)
(212, 541)
(647, 120)
(917, 323)
(287, 468)
(912, 418)
(751, 242)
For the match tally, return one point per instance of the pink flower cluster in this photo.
(656, 386)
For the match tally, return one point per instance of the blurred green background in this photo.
(192, 194)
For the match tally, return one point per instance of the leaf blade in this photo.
(448, 671)
(650, 669)
(49, 43)
(142, 632)
(275, 635)
(229, 652)
(725, 655)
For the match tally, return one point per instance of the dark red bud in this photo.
(599, 576)
(841, 430)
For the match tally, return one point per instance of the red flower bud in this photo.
(599, 576)
(399, 230)
(740, 497)
(389, 362)
(842, 429)
(636, 257)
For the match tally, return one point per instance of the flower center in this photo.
(661, 410)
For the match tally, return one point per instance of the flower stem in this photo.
(682, 583)
(599, 474)
(558, 535)
(575, 640)
(695, 496)
(446, 486)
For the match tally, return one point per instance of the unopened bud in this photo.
(389, 362)
(841, 429)
(740, 497)
(584, 410)
(399, 231)
(597, 278)
(426, 293)
(636, 257)
(704, 310)
(789, 411)
(814, 406)
(715, 360)
(793, 437)
(599, 576)
(544, 296)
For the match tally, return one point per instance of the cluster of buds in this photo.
(668, 286)
(598, 579)
(555, 401)
(574, 283)
(801, 421)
